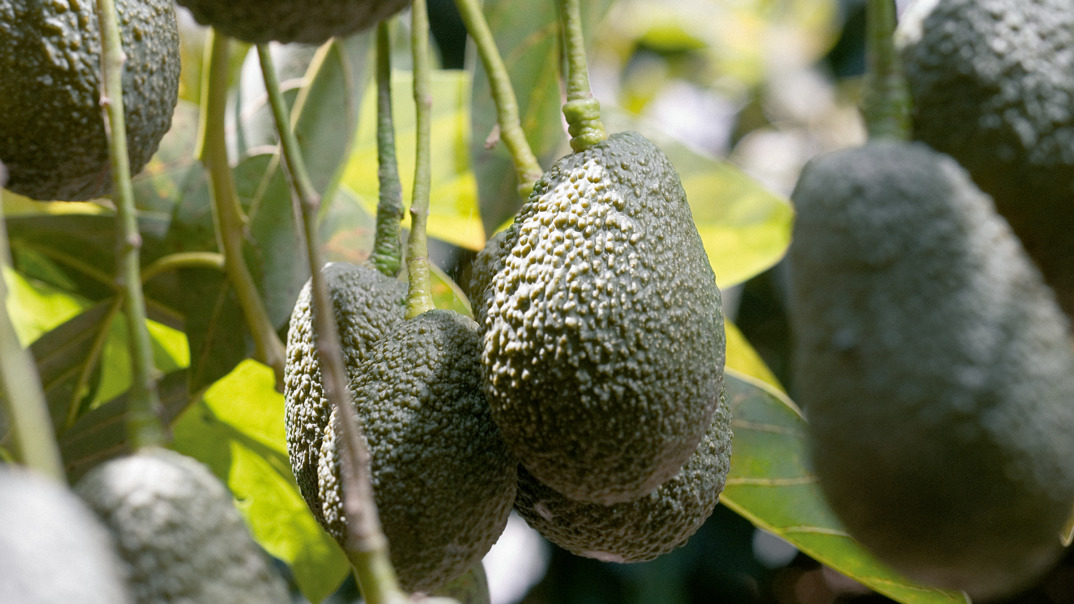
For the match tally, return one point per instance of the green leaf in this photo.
(771, 485)
(530, 51)
(237, 429)
(36, 307)
(742, 358)
(453, 211)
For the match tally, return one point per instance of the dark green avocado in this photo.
(639, 530)
(367, 305)
(603, 329)
(308, 22)
(443, 479)
(934, 368)
(52, 131)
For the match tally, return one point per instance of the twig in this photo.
(581, 110)
(387, 254)
(144, 423)
(886, 96)
(419, 296)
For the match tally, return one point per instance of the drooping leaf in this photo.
(771, 485)
(237, 429)
(530, 51)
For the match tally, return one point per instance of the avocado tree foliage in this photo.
(204, 268)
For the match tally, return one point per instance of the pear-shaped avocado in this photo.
(603, 343)
(934, 369)
(178, 531)
(992, 83)
(55, 549)
(52, 131)
(308, 21)
(639, 530)
(443, 479)
(367, 305)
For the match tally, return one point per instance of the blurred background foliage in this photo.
(739, 93)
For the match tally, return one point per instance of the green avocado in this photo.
(992, 83)
(52, 130)
(367, 305)
(603, 330)
(178, 531)
(933, 367)
(54, 548)
(309, 22)
(639, 530)
(443, 479)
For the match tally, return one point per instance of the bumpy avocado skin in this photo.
(604, 341)
(367, 305)
(309, 22)
(179, 533)
(639, 530)
(443, 479)
(934, 369)
(52, 132)
(992, 82)
(55, 550)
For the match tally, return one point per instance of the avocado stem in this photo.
(230, 220)
(144, 423)
(527, 168)
(22, 399)
(387, 256)
(419, 296)
(366, 546)
(886, 101)
(581, 110)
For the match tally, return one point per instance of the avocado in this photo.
(178, 531)
(992, 83)
(471, 587)
(52, 130)
(443, 479)
(55, 550)
(367, 305)
(308, 22)
(934, 369)
(639, 530)
(603, 331)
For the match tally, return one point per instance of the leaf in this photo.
(531, 54)
(36, 307)
(770, 485)
(742, 358)
(453, 211)
(237, 429)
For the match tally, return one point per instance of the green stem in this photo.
(503, 94)
(144, 424)
(886, 96)
(387, 254)
(180, 260)
(581, 110)
(21, 397)
(366, 545)
(419, 296)
(230, 221)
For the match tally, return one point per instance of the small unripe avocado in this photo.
(52, 130)
(55, 551)
(992, 83)
(178, 531)
(443, 479)
(934, 369)
(367, 305)
(309, 21)
(639, 530)
(604, 343)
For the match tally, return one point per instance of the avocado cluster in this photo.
(308, 22)
(54, 548)
(604, 345)
(367, 306)
(934, 367)
(52, 130)
(178, 532)
(992, 82)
